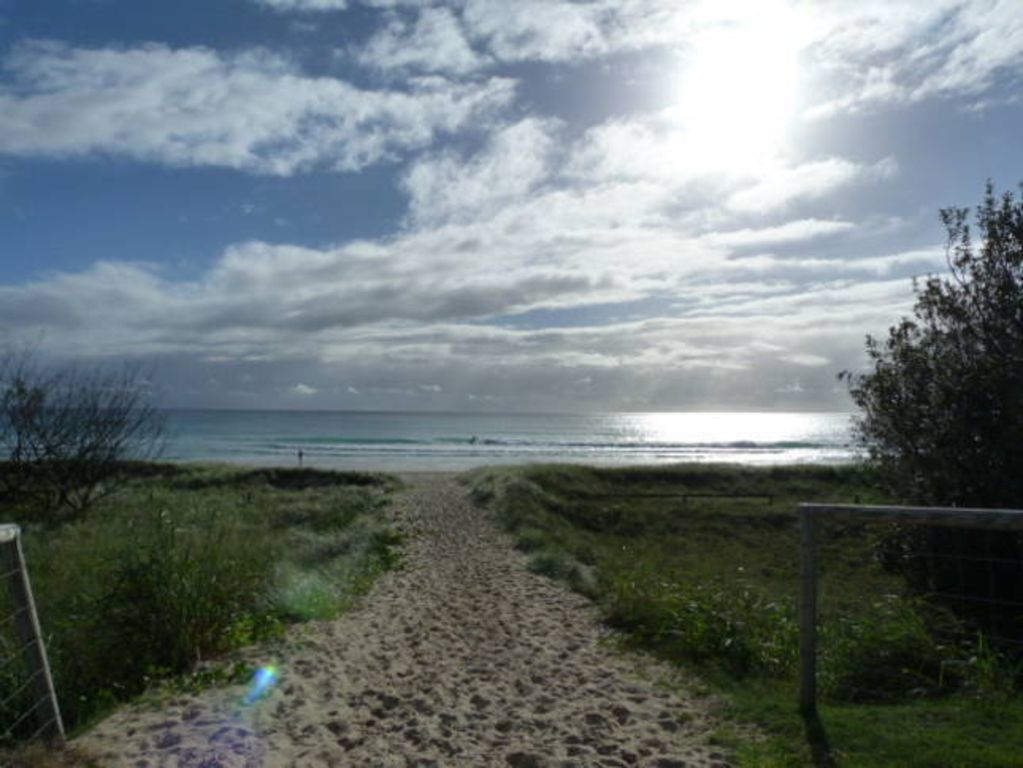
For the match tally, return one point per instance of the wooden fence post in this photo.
(810, 515)
(808, 613)
(26, 625)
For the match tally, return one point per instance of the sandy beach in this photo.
(462, 657)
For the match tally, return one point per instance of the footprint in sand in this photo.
(464, 658)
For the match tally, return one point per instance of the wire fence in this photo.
(944, 613)
(28, 703)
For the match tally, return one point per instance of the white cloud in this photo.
(545, 30)
(252, 111)
(514, 162)
(810, 361)
(987, 40)
(648, 146)
(569, 30)
(433, 299)
(789, 232)
(434, 43)
(855, 54)
(313, 6)
(526, 231)
(524, 227)
(656, 148)
(423, 308)
(305, 5)
(882, 51)
(644, 170)
(781, 186)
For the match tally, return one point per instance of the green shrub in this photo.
(989, 672)
(882, 654)
(942, 413)
(708, 622)
(179, 588)
(181, 566)
(303, 592)
(529, 539)
(557, 565)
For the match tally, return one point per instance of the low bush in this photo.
(885, 653)
(714, 580)
(180, 567)
(706, 622)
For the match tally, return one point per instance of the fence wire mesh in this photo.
(937, 610)
(28, 705)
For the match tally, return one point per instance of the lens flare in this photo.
(262, 681)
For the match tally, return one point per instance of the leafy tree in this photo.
(67, 432)
(942, 408)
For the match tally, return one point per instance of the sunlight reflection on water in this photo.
(452, 441)
(729, 429)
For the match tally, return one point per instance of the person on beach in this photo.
(300, 454)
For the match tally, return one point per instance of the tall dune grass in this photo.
(185, 564)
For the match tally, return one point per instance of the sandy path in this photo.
(461, 659)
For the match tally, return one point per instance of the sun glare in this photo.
(738, 90)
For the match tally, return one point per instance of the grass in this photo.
(711, 583)
(183, 564)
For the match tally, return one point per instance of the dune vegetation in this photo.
(700, 566)
(185, 563)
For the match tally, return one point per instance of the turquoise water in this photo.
(421, 441)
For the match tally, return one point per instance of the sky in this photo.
(539, 205)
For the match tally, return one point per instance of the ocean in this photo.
(456, 441)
